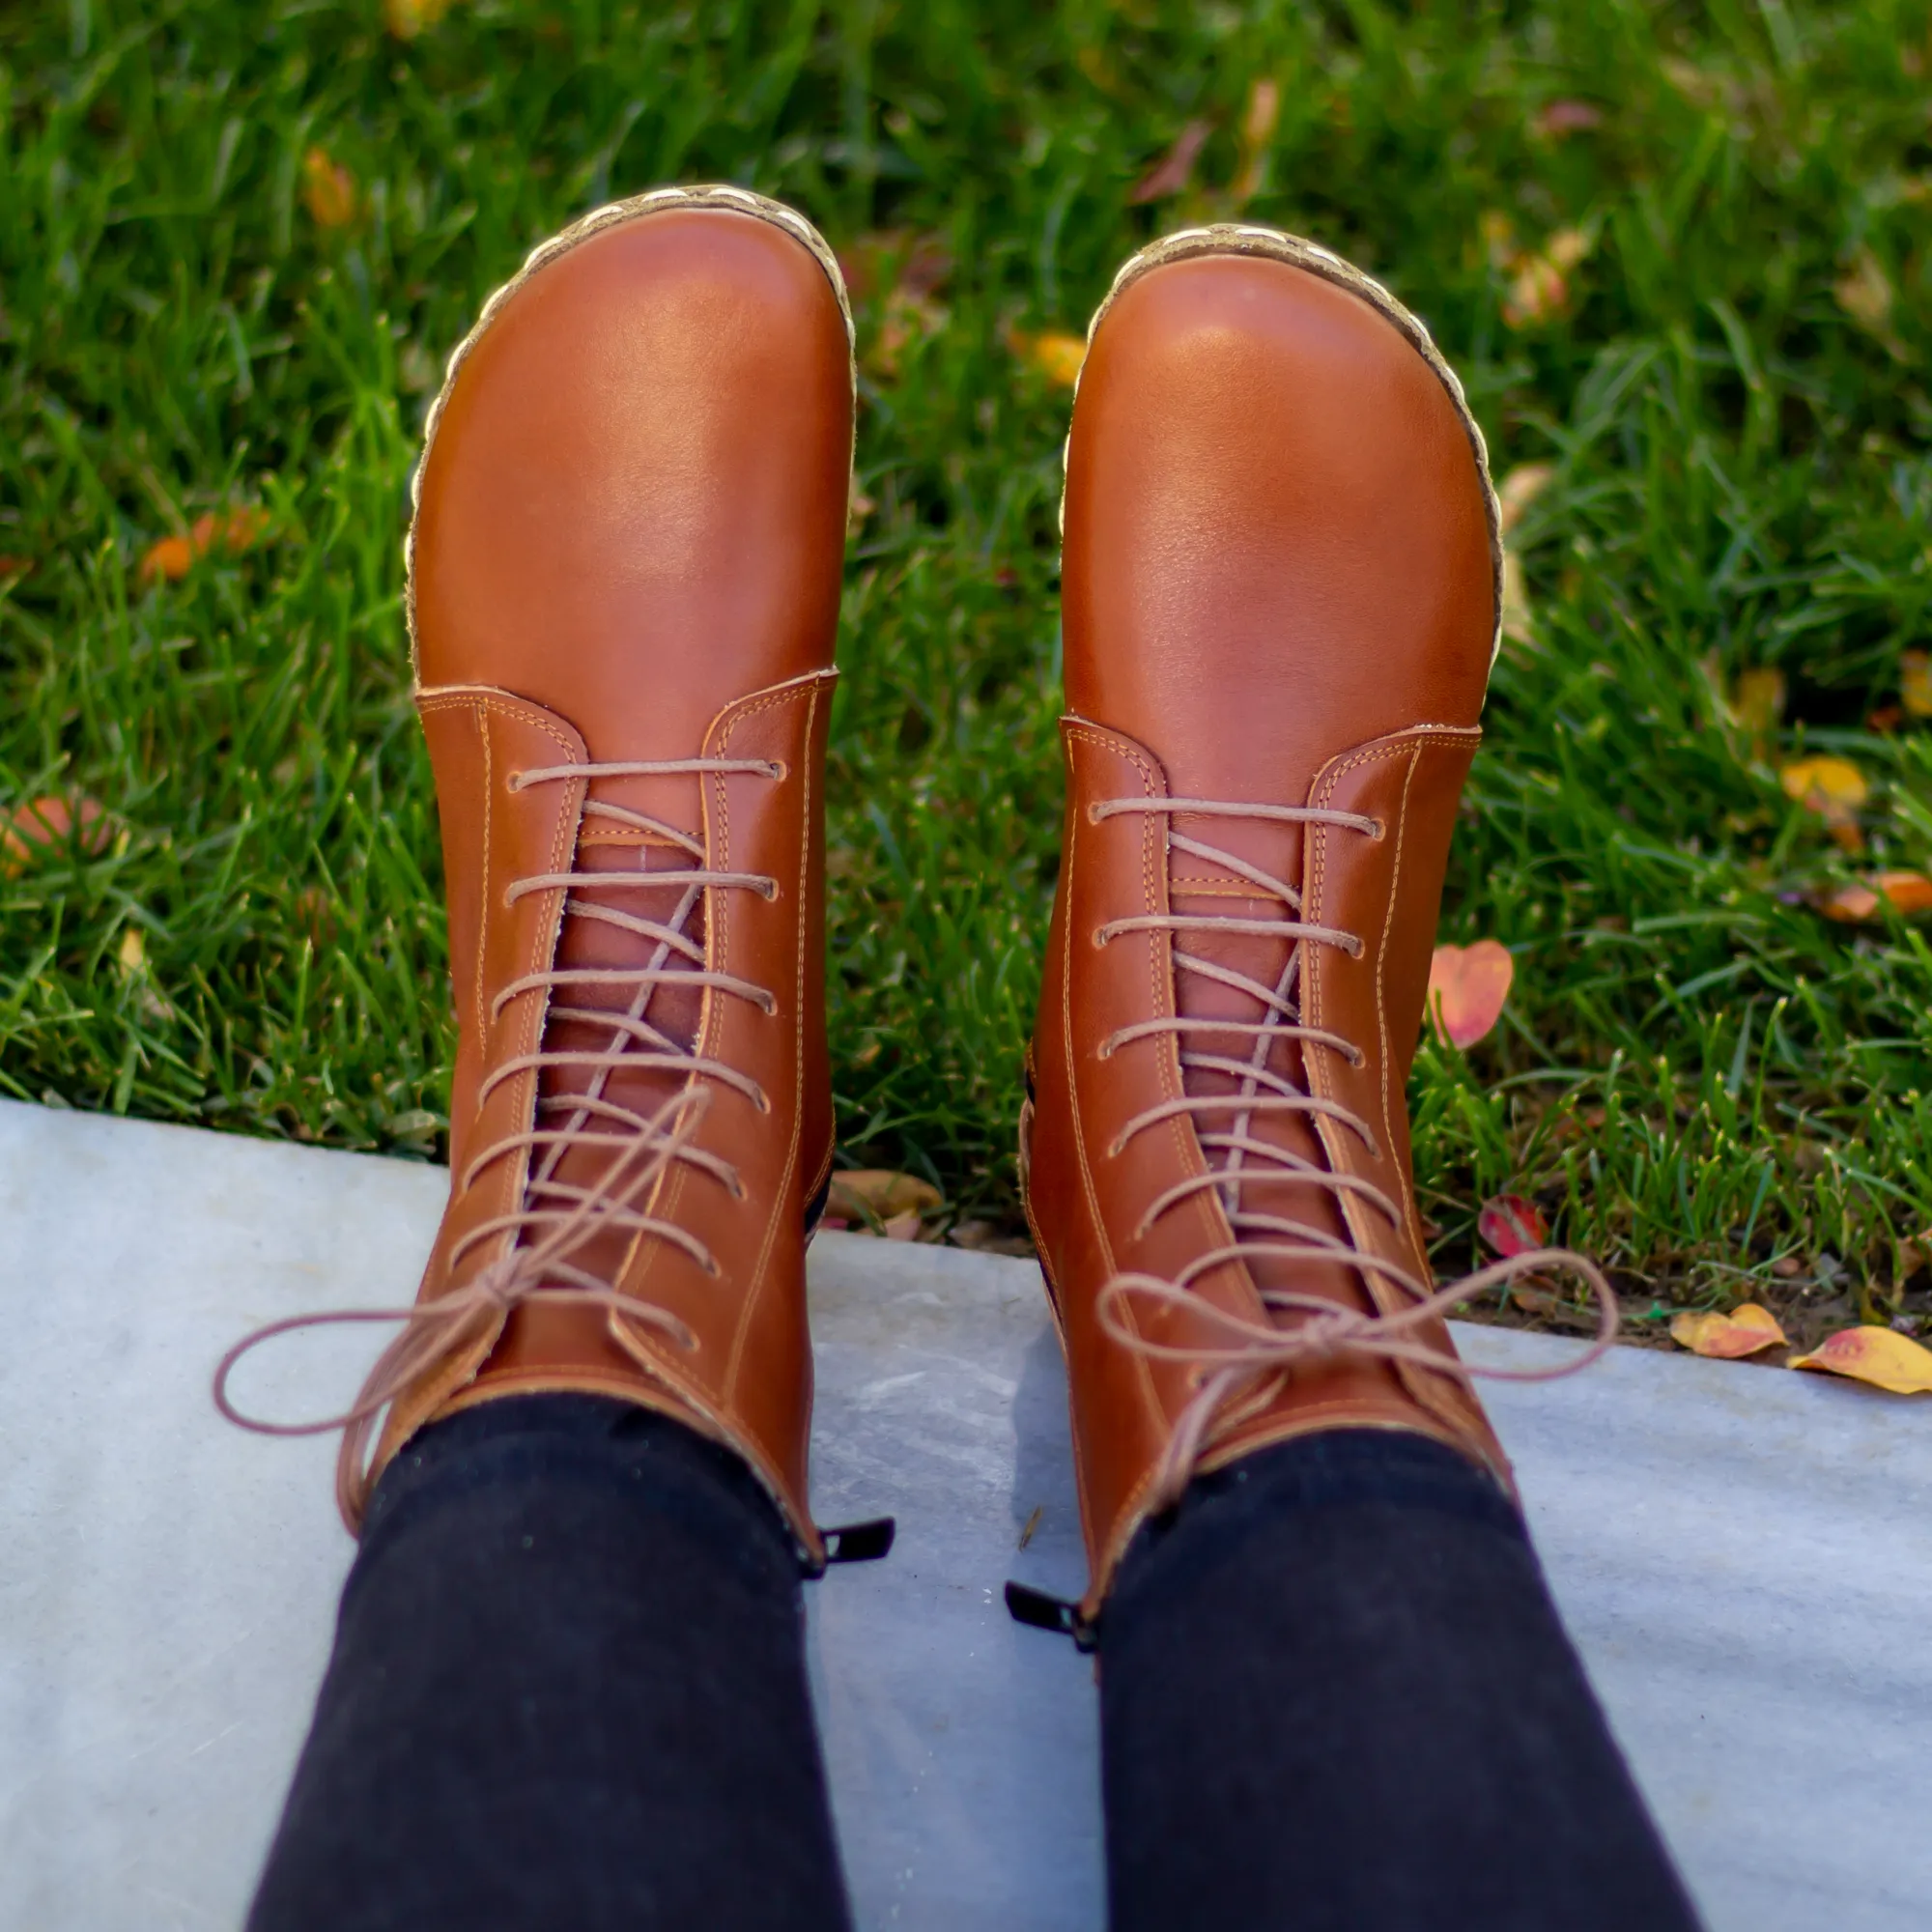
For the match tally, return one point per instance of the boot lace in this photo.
(556, 1220)
(1303, 1330)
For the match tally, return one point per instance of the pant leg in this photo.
(1335, 1694)
(568, 1690)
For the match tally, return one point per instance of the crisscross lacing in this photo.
(1247, 1352)
(554, 1221)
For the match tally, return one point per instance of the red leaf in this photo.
(1468, 985)
(1512, 1225)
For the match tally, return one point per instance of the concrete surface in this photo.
(1743, 1556)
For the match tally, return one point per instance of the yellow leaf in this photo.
(1537, 294)
(407, 19)
(877, 1193)
(132, 951)
(1915, 683)
(1519, 489)
(1832, 787)
(1757, 698)
(1054, 353)
(1569, 246)
(1467, 986)
(329, 190)
(1743, 1332)
(1880, 1356)
(1519, 619)
(1865, 294)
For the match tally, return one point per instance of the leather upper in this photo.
(628, 551)
(1278, 590)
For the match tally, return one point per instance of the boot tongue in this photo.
(1201, 888)
(675, 1012)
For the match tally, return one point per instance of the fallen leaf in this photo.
(1509, 1225)
(1054, 353)
(407, 19)
(1537, 294)
(170, 560)
(908, 318)
(42, 824)
(1832, 787)
(1743, 1331)
(1757, 698)
(1880, 1356)
(132, 951)
(1468, 985)
(1886, 720)
(1175, 169)
(1864, 293)
(1259, 121)
(1915, 683)
(1558, 118)
(878, 1196)
(1499, 236)
(1519, 489)
(329, 190)
(1567, 248)
(1906, 892)
(1787, 1267)
(903, 1227)
(1518, 619)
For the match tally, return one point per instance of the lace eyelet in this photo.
(1105, 1050)
(1101, 938)
(1381, 832)
(763, 1101)
(1093, 814)
(776, 770)
(514, 782)
(769, 891)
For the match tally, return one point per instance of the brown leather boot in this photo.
(624, 576)
(1281, 586)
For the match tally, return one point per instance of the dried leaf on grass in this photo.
(329, 190)
(407, 19)
(1053, 352)
(1468, 985)
(877, 1196)
(1880, 1356)
(1834, 789)
(1906, 892)
(1558, 118)
(1172, 173)
(234, 531)
(1757, 698)
(1519, 489)
(1259, 120)
(1509, 1225)
(1915, 683)
(47, 824)
(1741, 1332)
(1864, 293)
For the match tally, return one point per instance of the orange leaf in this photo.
(876, 1196)
(42, 824)
(1915, 683)
(1509, 1225)
(1468, 985)
(1054, 353)
(1175, 169)
(329, 190)
(1880, 1356)
(1849, 905)
(1741, 1332)
(171, 559)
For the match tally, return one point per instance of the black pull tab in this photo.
(860, 1542)
(1037, 1609)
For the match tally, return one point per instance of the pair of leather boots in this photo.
(1280, 605)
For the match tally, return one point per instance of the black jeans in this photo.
(569, 1690)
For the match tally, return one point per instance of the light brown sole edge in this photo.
(613, 215)
(1231, 237)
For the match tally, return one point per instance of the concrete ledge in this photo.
(1741, 1552)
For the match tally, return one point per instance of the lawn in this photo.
(1678, 253)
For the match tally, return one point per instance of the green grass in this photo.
(1697, 1076)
